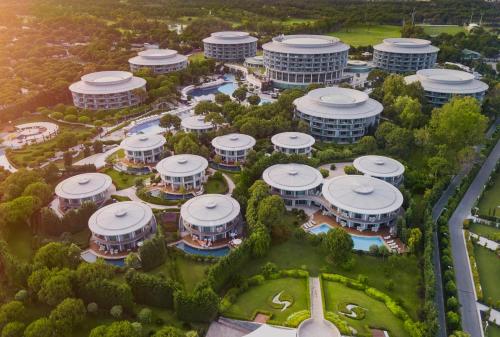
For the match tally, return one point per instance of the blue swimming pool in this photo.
(360, 242)
(219, 252)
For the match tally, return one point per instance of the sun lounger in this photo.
(387, 237)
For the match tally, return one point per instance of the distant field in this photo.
(294, 21)
(436, 30)
(367, 35)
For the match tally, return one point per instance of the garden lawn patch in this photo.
(483, 230)
(489, 204)
(438, 29)
(376, 316)
(257, 298)
(122, 180)
(217, 186)
(493, 331)
(198, 56)
(488, 264)
(186, 271)
(367, 35)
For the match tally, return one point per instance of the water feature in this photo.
(218, 252)
(360, 242)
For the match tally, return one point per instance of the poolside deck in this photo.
(198, 244)
(94, 247)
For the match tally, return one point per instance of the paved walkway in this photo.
(98, 159)
(494, 314)
(131, 194)
(490, 244)
(230, 184)
(4, 162)
(316, 298)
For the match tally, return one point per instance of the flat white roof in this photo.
(362, 194)
(401, 45)
(233, 142)
(293, 140)
(272, 331)
(120, 218)
(292, 177)
(305, 44)
(210, 210)
(182, 165)
(196, 122)
(447, 81)
(379, 166)
(230, 37)
(107, 82)
(83, 185)
(338, 103)
(157, 57)
(142, 142)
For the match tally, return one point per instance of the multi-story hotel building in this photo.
(293, 143)
(230, 46)
(86, 187)
(197, 124)
(440, 85)
(143, 149)
(380, 167)
(337, 114)
(106, 90)
(159, 61)
(185, 171)
(401, 55)
(299, 60)
(233, 148)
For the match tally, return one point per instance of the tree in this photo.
(97, 146)
(17, 212)
(215, 118)
(15, 184)
(116, 311)
(240, 94)
(42, 327)
(40, 190)
(56, 287)
(409, 111)
(133, 261)
(169, 121)
(68, 159)
(254, 100)
(145, 316)
(221, 98)
(13, 329)
(367, 144)
(261, 240)
(338, 244)
(153, 252)
(198, 306)
(115, 329)
(57, 255)
(271, 210)
(67, 316)
(411, 30)
(205, 107)
(414, 239)
(66, 140)
(12, 311)
(169, 331)
(151, 290)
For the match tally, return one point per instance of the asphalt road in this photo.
(471, 322)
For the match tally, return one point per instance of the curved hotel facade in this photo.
(440, 85)
(230, 46)
(233, 148)
(143, 149)
(159, 61)
(106, 90)
(86, 187)
(211, 217)
(121, 226)
(185, 171)
(196, 124)
(299, 60)
(380, 167)
(400, 55)
(337, 114)
(362, 202)
(293, 143)
(297, 184)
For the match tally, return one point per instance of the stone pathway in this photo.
(98, 159)
(230, 184)
(494, 314)
(490, 244)
(131, 194)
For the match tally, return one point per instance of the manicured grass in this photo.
(489, 204)
(436, 30)
(488, 264)
(218, 186)
(377, 314)
(121, 180)
(185, 271)
(483, 230)
(493, 331)
(295, 21)
(19, 243)
(120, 197)
(260, 297)
(198, 56)
(299, 254)
(367, 35)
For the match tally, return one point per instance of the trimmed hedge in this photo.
(297, 317)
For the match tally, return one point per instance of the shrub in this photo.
(268, 269)
(389, 284)
(92, 308)
(338, 322)
(324, 172)
(333, 167)
(296, 318)
(145, 316)
(21, 295)
(13, 329)
(116, 311)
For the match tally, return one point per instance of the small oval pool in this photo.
(217, 252)
(360, 242)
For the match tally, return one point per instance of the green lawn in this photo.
(377, 314)
(19, 243)
(436, 30)
(493, 331)
(489, 204)
(367, 35)
(488, 264)
(185, 271)
(294, 21)
(122, 180)
(218, 186)
(298, 254)
(482, 229)
(260, 297)
(198, 56)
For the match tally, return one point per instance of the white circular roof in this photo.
(362, 194)
(379, 166)
(120, 218)
(210, 210)
(293, 140)
(182, 165)
(233, 142)
(196, 123)
(152, 57)
(83, 185)
(230, 37)
(305, 44)
(406, 46)
(338, 103)
(107, 82)
(292, 177)
(447, 81)
(142, 142)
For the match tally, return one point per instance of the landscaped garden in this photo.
(122, 180)
(367, 35)
(216, 184)
(188, 272)
(489, 204)
(488, 264)
(493, 331)
(485, 230)
(259, 299)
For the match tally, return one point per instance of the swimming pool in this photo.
(360, 242)
(218, 252)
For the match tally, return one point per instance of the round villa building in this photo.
(362, 202)
(233, 148)
(299, 60)
(297, 184)
(86, 187)
(159, 61)
(144, 149)
(338, 115)
(183, 172)
(440, 85)
(120, 227)
(211, 218)
(230, 46)
(401, 55)
(293, 143)
(196, 124)
(107, 90)
(380, 167)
